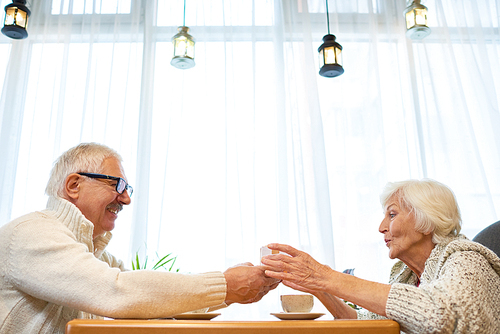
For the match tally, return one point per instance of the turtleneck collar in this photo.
(80, 226)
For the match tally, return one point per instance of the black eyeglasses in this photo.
(121, 184)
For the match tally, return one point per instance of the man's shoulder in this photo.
(32, 217)
(31, 223)
(24, 230)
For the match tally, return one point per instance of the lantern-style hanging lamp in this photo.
(16, 20)
(330, 53)
(183, 46)
(416, 21)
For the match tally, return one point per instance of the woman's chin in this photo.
(392, 255)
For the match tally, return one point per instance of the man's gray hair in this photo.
(432, 203)
(86, 157)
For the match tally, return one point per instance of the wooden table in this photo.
(79, 326)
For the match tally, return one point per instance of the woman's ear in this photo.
(72, 186)
(430, 232)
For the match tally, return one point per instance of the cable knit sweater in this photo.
(459, 291)
(51, 271)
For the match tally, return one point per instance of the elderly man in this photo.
(54, 267)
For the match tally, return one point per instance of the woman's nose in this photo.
(383, 226)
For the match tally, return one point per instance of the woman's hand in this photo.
(297, 270)
(300, 271)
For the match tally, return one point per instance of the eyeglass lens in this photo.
(121, 186)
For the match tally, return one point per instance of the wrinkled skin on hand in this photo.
(247, 283)
(298, 270)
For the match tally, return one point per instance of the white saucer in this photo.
(195, 316)
(297, 316)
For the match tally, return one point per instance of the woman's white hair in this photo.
(433, 205)
(86, 157)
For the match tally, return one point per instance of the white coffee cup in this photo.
(266, 251)
(297, 303)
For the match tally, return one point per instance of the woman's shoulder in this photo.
(460, 245)
(469, 253)
(470, 274)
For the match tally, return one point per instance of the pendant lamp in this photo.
(416, 21)
(183, 44)
(16, 20)
(330, 53)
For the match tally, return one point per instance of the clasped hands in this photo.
(247, 283)
(296, 269)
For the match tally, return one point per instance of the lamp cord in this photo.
(327, 17)
(184, 17)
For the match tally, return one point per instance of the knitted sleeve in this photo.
(464, 297)
(112, 261)
(367, 315)
(46, 262)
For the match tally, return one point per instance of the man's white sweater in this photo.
(51, 271)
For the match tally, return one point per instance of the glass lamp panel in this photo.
(321, 58)
(180, 44)
(10, 15)
(189, 48)
(421, 16)
(332, 55)
(338, 54)
(21, 18)
(183, 47)
(410, 19)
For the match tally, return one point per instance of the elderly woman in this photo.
(443, 283)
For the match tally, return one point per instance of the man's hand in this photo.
(247, 283)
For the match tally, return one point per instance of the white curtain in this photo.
(251, 145)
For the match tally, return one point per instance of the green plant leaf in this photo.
(160, 263)
(172, 265)
(163, 261)
(354, 306)
(137, 264)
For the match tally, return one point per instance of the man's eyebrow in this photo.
(108, 180)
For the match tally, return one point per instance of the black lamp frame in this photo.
(335, 69)
(15, 30)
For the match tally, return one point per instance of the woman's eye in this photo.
(392, 215)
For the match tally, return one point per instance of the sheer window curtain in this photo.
(251, 145)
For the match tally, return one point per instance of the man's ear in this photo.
(72, 186)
